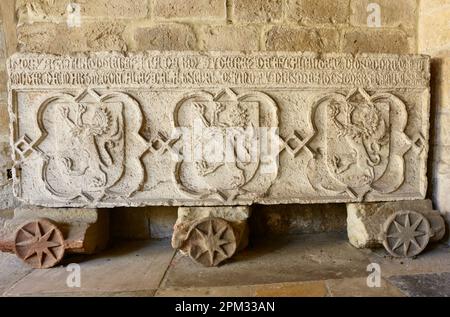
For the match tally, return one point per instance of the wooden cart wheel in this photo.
(406, 233)
(211, 241)
(39, 243)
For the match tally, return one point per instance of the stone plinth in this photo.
(210, 235)
(83, 230)
(365, 221)
(211, 129)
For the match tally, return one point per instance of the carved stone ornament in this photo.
(211, 241)
(40, 244)
(406, 233)
(218, 128)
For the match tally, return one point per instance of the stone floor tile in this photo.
(357, 287)
(128, 267)
(436, 258)
(12, 269)
(429, 285)
(275, 260)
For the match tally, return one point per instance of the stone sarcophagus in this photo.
(191, 128)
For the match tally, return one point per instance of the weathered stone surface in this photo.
(197, 227)
(376, 41)
(283, 38)
(170, 36)
(59, 38)
(433, 34)
(297, 219)
(29, 11)
(110, 130)
(365, 221)
(392, 13)
(84, 230)
(258, 10)
(230, 38)
(201, 9)
(318, 11)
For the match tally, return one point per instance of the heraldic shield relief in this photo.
(86, 138)
(363, 143)
(216, 128)
(223, 145)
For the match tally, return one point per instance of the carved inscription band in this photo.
(190, 128)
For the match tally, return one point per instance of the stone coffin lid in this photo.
(219, 128)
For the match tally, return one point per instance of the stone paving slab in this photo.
(292, 289)
(436, 258)
(302, 265)
(129, 267)
(284, 259)
(358, 287)
(429, 285)
(12, 269)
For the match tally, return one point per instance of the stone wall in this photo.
(434, 40)
(62, 26)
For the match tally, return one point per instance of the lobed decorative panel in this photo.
(218, 128)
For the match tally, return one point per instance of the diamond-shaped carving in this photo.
(294, 143)
(23, 146)
(419, 143)
(161, 143)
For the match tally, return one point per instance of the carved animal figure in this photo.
(238, 119)
(87, 135)
(364, 130)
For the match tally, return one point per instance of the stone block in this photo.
(210, 235)
(376, 41)
(30, 11)
(84, 230)
(108, 129)
(258, 10)
(59, 39)
(365, 221)
(440, 85)
(297, 219)
(171, 36)
(285, 38)
(433, 34)
(442, 129)
(230, 38)
(198, 9)
(188, 216)
(312, 12)
(392, 13)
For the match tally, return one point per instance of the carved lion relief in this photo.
(225, 131)
(92, 146)
(361, 143)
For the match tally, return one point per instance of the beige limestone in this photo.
(376, 41)
(30, 11)
(392, 13)
(318, 11)
(210, 235)
(284, 38)
(59, 38)
(258, 10)
(365, 221)
(188, 216)
(230, 38)
(200, 9)
(105, 129)
(170, 36)
(84, 230)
